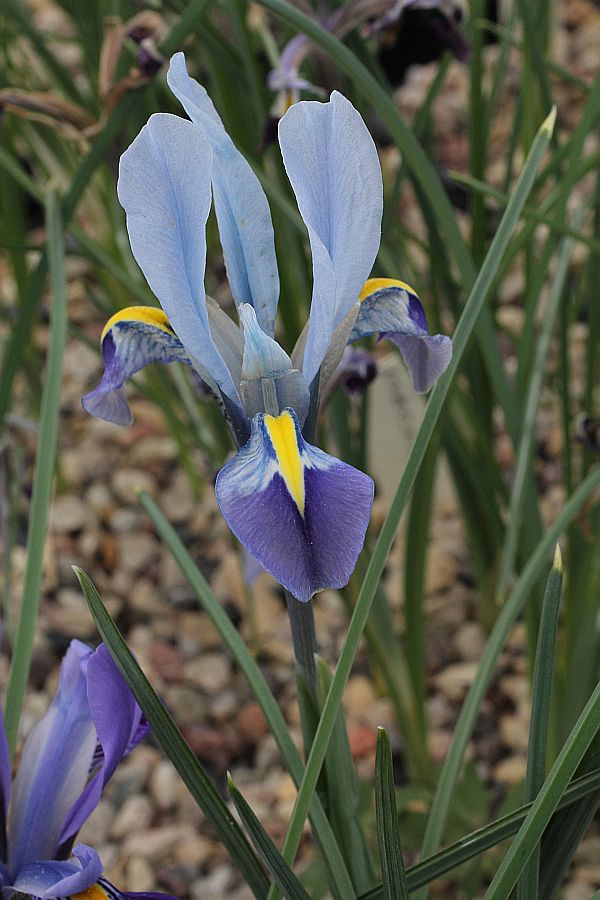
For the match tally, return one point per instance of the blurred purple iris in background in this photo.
(70, 754)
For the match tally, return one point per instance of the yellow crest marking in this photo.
(377, 284)
(282, 432)
(94, 892)
(147, 314)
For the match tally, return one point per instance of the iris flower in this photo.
(302, 513)
(373, 16)
(68, 757)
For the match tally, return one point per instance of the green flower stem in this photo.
(304, 639)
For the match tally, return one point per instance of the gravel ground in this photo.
(147, 829)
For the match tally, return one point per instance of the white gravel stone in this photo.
(136, 813)
(210, 672)
(68, 514)
(137, 551)
(127, 482)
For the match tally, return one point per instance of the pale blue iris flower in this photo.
(301, 513)
(67, 759)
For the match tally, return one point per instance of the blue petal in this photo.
(132, 339)
(392, 309)
(5, 785)
(240, 204)
(426, 357)
(164, 187)
(119, 726)
(301, 513)
(60, 878)
(54, 766)
(332, 163)
(263, 356)
(269, 382)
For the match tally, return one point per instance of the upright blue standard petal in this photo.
(164, 187)
(242, 210)
(332, 163)
(302, 513)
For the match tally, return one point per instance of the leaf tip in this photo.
(549, 122)
(557, 563)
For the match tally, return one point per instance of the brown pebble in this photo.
(252, 723)
(166, 660)
(362, 741)
(207, 745)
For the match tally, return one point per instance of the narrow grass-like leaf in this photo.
(19, 12)
(43, 475)
(414, 578)
(340, 882)
(541, 691)
(484, 838)
(342, 795)
(546, 802)
(540, 218)
(395, 886)
(174, 745)
(561, 839)
(530, 406)
(433, 410)
(185, 25)
(282, 874)
(463, 729)
(20, 333)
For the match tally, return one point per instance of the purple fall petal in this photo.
(302, 513)
(132, 339)
(391, 309)
(426, 356)
(60, 878)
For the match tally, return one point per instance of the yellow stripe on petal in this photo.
(94, 892)
(282, 433)
(149, 315)
(378, 284)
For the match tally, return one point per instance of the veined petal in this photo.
(242, 210)
(332, 163)
(60, 878)
(392, 309)
(54, 767)
(302, 513)
(119, 726)
(164, 187)
(132, 338)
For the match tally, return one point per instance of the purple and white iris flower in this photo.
(302, 513)
(68, 757)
